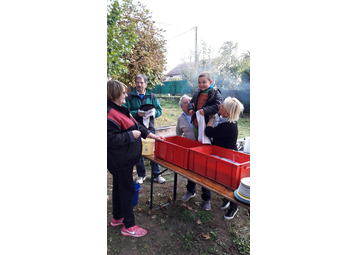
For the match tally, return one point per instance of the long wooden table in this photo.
(197, 178)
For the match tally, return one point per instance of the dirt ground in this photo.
(178, 228)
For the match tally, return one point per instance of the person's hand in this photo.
(211, 121)
(160, 138)
(136, 133)
(201, 111)
(140, 113)
(191, 111)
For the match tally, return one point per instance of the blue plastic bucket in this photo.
(136, 194)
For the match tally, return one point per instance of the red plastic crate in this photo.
(203, 162)
(175, 149)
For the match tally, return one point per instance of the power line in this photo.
(181, 33)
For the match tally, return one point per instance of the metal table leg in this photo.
(175, 187)
(151, 190)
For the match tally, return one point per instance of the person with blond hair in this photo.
(124, 149)
(223, 131)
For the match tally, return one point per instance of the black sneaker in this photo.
(230, 214)
(225, 204)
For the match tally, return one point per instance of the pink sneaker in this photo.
(115, 222)
(134, 231)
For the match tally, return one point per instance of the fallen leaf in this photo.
(170, 199)
(184, 205)
(163, 221)
(197, 203)
(207, 236)
(154, 216)
(198, 221)
(110, 239)
(139, 210)
(107, 197)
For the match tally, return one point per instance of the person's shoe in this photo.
(159, 179)
(140, 179)
(225, 204)
(230, 214)
(207, 205)
(115, 222)
(134, 231)
(187, 196)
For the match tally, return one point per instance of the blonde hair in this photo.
(115, 89)
(234, 107)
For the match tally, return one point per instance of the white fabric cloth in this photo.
(247, 145)
(201, 129)
(146, 117)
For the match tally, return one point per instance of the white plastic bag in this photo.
(201, 129)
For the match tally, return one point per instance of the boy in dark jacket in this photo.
(207, 99)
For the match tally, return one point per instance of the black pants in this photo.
(206, 196)
(122, 195)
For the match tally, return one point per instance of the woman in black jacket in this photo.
(124, 148)
(224, 132)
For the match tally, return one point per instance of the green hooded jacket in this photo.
(133, 101)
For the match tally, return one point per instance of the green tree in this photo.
(191, 69)
(228, 70)
(147, 56)
(229, 65)
(144, 46)
(121, 38)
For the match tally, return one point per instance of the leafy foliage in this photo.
(228, 70)
(191, 68)
(143, 49)
(121, 38)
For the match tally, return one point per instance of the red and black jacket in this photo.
(122, 149)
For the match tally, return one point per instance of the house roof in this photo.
(178, 70)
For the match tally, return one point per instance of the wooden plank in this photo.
(197, 178)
